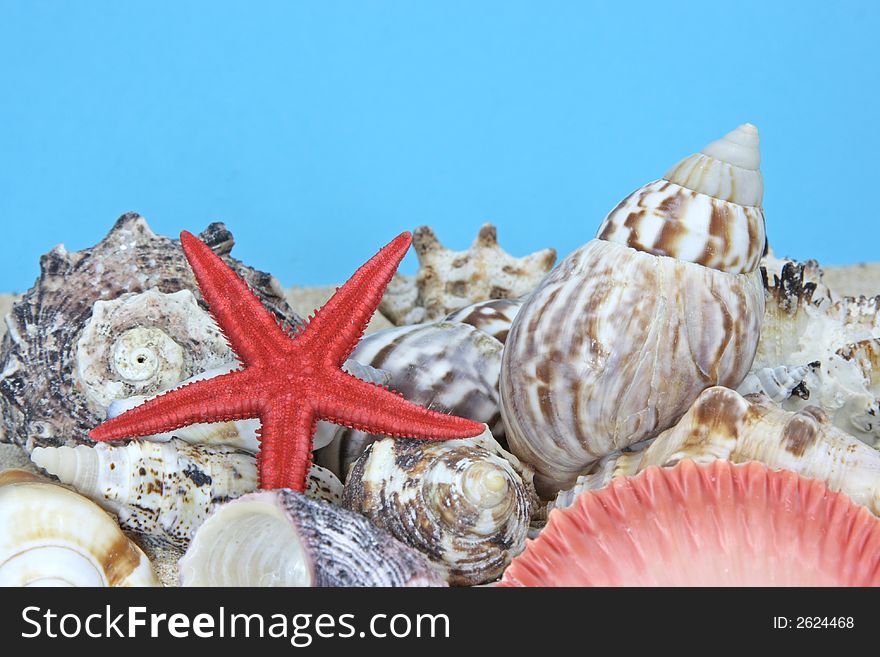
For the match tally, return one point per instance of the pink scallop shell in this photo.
(705, 525)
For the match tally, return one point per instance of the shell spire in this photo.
(727, 169)
(706, 210)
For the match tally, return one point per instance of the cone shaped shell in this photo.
(705, 525)
(707, 210)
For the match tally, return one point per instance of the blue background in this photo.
(319, 130)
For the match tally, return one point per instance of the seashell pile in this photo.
(620, 338)
(448, 280)
(820, 350)
(119, 319)
(670, 373)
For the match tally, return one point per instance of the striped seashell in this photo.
(444, 366)
(493, 317)
(620, 338)
(455, 501)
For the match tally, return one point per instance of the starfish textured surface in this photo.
(289, 381)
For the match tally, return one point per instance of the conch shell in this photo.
(459, 503)
(448, 280)
(619, 339)
(282, 538)
(723, 425)
(50, 536)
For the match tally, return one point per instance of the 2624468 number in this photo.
(810, 622)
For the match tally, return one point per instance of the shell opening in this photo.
(257, 538)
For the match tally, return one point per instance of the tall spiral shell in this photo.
(461, 505)
(620, 338)
(282, 538)
(50, 536)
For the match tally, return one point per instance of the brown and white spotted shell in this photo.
(724, 425)
(282, 538)
(445, 366)
(620, 338)
(165, 489)
(80, 298)
(458, 503)
(449, 280)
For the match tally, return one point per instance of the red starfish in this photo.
(289, 381)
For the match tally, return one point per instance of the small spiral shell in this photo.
(50, 536)
(282, 538)
(462, 506)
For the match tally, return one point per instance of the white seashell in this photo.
(162, 489)
(138, 344)
(778, 383)
(445, 366)
(460, 504)
(50, 536)
(621, 337)
(448, 280)
(493, 317)
(323, 485)
(282, 538)
(831, 345)
(723, 425)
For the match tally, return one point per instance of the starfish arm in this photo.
(340, 323)
(371, 408)
(218, 399)
(285, 446)
(252, 330)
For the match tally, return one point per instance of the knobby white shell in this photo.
(820, 350)
(448, 280)
(723, 425)
(50, 536)
(459, 503)
(282, 538)
(139, 344)
(620, 338)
